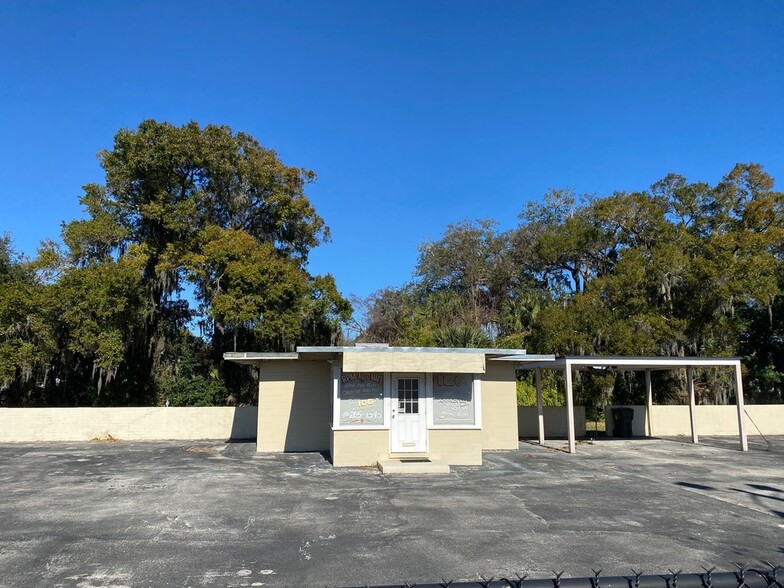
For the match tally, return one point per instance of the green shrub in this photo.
(462, 336)
(194, 391)
(526, 395)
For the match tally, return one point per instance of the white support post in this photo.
(692, 405)
(569, 407)
(744, 443)
(648, 404)
(260, 429)
(539, 404)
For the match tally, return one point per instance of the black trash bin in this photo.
(622, 422)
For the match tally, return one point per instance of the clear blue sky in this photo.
(414, 114)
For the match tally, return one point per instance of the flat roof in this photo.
(587, 362)
(250, 357)
(519, 356)
(390, 349)
(327, 352)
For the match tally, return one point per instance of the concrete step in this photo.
(409, 456)
(412, 466)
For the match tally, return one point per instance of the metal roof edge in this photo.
(621, 363)
(253, 356)
(523, 358)
(646, 358)
(349, 349)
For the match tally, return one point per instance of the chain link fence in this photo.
(765, 576)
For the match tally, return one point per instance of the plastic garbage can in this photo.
(622, 422)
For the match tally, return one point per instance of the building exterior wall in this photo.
(358, 448)
(128, 424)
(555, 422)
(456, 446)
(419, 362)
(672, 421)
(294, 406)
(499, 406)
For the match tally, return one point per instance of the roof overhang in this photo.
(250, 357)
(387, 358)
(451, 357)
(523, 358)
(490, 351)
(591, 363)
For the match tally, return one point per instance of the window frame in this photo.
(476, 393)
(337, 372)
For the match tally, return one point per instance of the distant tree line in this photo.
(684, 268)
(102, 316)
(197, 243)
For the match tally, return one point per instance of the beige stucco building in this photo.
(376, 404)
(370, 403)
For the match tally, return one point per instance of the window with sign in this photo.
(453, 399)
(361, 399)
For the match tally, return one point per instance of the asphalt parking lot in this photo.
(219, 514)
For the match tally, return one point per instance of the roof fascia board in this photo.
(583, 362)
(524, 358)
(650, 362)
(346, 349)
(252, 357)
(554, 364)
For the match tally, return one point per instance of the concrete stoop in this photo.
(412, 466)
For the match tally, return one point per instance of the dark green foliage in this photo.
(462, 336)
(102, 321)
(193, 391)
(526, 389)
(681, 269)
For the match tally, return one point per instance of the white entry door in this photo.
(408, 433)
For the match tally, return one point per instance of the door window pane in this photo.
(408, 395)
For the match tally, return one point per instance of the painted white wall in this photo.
(554, 421)
(127, 424)
(671, 421)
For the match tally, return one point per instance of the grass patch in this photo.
(595, 426)
(106, 438)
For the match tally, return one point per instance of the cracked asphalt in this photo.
(219, 514)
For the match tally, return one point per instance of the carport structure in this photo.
(570, 364)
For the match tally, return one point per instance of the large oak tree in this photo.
(185, 213)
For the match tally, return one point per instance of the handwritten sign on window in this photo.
(453, 399)
(361, 398)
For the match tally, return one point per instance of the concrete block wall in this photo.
(294, 406)
(499, 403)
(127, 424)
(357, 447)
(555, 422)
(672, 421)
(456, 446)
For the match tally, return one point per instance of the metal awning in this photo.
(569, 364)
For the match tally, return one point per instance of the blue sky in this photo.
(415, 115)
